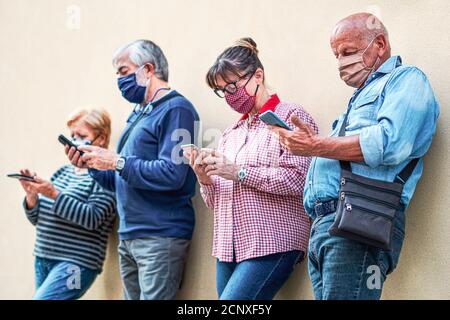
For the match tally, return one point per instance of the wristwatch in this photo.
(120, 164)
(242, 173)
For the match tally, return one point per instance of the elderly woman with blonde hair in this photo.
(73, 217)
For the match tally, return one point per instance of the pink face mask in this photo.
(241, 101)
(353, 70)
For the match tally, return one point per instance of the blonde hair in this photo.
(98, 120)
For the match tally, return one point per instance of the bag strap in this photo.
(407, 171)
(127, 133)
(402, 177)
(345, 165)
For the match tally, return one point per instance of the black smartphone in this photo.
(65, 141)
(20, 176)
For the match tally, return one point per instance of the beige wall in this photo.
(48, 69)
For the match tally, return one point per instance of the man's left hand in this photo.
(99, 158)
(300, 142)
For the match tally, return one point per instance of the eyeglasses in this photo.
(231, 87)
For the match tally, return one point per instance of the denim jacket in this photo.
(395, 115)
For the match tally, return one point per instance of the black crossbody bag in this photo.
(366, 207)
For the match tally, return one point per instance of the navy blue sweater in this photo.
(154, 189)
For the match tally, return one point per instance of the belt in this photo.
(324, 208)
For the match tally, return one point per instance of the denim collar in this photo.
(387, 67)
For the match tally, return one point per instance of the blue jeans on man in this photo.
(343, 269)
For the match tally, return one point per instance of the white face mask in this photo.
(353, 70)
(80, 142)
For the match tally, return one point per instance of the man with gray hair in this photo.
(363, 176)
(153, 188)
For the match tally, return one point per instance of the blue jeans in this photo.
(61, 280)
(255, 279)
(152, 268)
(342, 269)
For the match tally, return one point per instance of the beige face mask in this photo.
(353, 69)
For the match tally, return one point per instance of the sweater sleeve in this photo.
(33, 213)
(165, 173)
(104, 178)
(89, 214)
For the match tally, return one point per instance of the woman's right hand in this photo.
(75, 157)
(195, 161)
(31, 196)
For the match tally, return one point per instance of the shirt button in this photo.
(310, 182)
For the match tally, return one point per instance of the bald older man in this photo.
(391, 119)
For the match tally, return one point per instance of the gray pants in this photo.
(152, 268)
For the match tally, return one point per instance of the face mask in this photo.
(241, 101)
(130, 88)
(81, 142)
(353, 69)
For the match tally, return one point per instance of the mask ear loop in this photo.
(256, 91)
(136, 76)
(91, 142)
(257, 86)
(365, 50)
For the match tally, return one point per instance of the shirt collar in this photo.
(271, 104)
(390, 64)
(387, 67)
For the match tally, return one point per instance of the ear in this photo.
(382, 43)
(259, 76)
(149, 69)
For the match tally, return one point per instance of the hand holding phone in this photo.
(188, 149)
(67, 142)
(199, 169)
(20, 176)
(271, 119)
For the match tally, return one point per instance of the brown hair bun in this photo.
(248, 43)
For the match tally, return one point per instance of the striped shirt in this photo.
(75, 226)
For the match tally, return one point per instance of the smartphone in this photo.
(20, 176)
(67, 142)
(270, 118)
(188, 148)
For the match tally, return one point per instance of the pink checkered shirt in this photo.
(264, 213)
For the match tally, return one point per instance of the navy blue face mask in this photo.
(130, 89)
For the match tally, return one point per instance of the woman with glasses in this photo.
(254, 186)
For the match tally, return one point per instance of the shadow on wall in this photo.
(108, 285)
(423, 252)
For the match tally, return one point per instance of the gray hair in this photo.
(141, 52)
